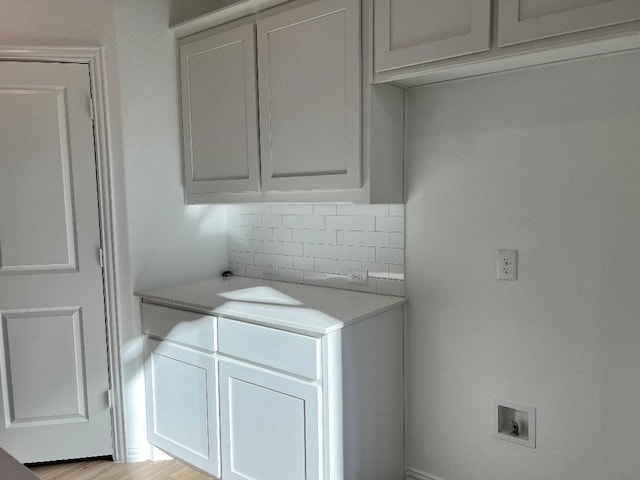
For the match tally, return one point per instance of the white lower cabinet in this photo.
(270, 425)
(182, 410)
(243, 401)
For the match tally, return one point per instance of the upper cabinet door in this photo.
(410, 32)
(309, 83)
(219, 112)
(526, 20)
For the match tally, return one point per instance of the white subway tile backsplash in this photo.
(251, 220)
(253, 246)
(396, 240)
(326, 265)
(390, 224)
(283, 234)
(324, 209)
(292, 209)
(351, 223)
(288, 275)
(396, 210)
(320, 244)
(262, 259)
(244, 232)
(293, 248)
(366, 254)
(377, 270)
(375, 239)
(238, 269)
(345, 266)
(270, 246)
(390, 255)
(313, 221)
(304, 263)
(245, 258)
(390, 287)
(303, 235)
(396, 272)
(325, 236)
(374, 210)
(236, 244)
(271, 220)
(262, 233)
(314, 250)
(292, 221)
(349, 238)
(340, 252)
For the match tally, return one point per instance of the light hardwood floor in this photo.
(107, 470)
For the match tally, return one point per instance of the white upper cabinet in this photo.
(309, 84)
(527, 20)
(219, 112)
(410, 32)
(416, 42)
(325, 134)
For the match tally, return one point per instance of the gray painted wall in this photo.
(546, 161)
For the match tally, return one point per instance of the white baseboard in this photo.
(413, 474)
(137, 454)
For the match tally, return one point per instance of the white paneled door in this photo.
(53, 355)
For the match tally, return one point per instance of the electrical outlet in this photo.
(507, 263)
(359, 277)
(270, 267)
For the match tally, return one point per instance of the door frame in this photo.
(94, 57)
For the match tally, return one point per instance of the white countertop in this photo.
(306, 308)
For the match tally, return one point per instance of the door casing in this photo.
(94, 58)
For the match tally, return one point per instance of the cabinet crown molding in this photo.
(223, 15)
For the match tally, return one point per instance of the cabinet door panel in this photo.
(410, 32)
(526, 20)
(270, 425)
(219, 111)
(182, 404)
(309, 79)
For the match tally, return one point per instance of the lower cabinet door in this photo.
(182, 413)
(270, 425)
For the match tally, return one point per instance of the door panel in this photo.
(182, 403)
(410, 32)
(219, 112)
(36, 216)
(527, 20)
(44, 360)
(270, 428)
(53, 358)
(309, 84)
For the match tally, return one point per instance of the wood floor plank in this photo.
(107, 470)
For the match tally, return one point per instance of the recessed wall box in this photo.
(514, 422)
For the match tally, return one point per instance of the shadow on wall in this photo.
(207, 220)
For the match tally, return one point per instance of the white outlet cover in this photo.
(507, 265)
(358, 277)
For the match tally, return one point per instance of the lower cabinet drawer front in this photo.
(286, 351)
(180, 326)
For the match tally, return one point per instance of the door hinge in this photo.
(110, 398)
(101, 257)
(92, 112)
